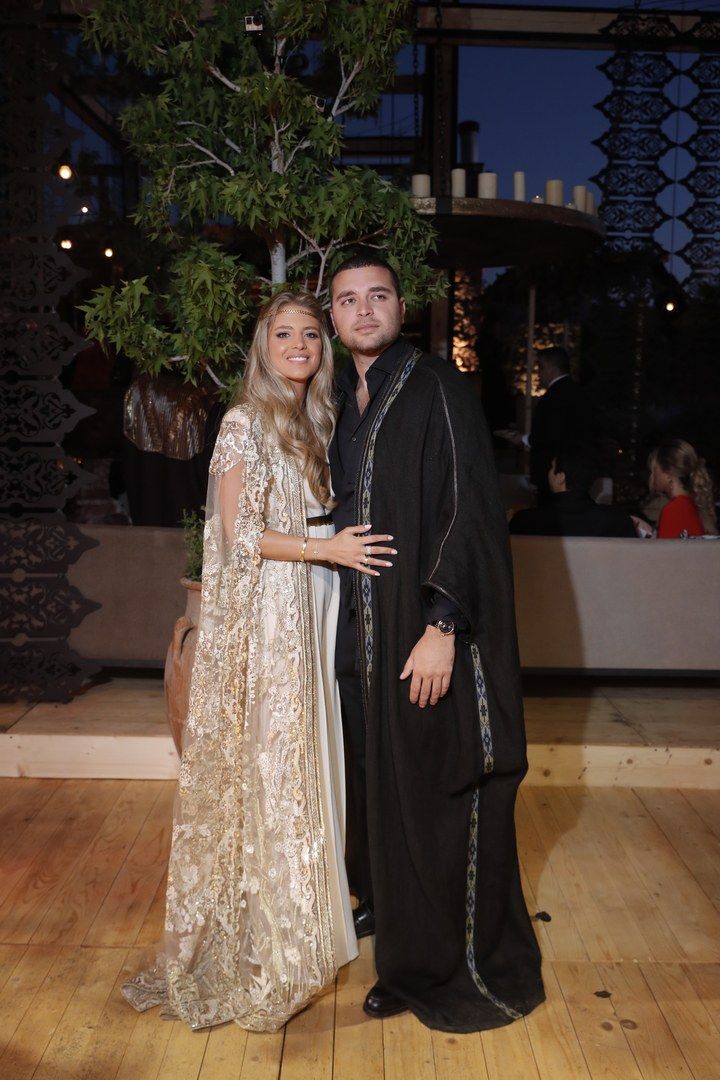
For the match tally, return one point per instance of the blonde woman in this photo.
(677, 472)
(258, 916)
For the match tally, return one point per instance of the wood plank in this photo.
(630, 882)
(458, 1056)
(358, 1047)
(67, 1053)
(22, 799)
(38, 1025)
(574, 867)
(24, 908)
(184, 1052)
(707, 805)
(705, 979)
(407, 1048)
(636, 1010)
(146, 1047)
(308, 1049)
(113, 1031)
(77, 902)
(263, 1055)
(561, 932)
(508, 1052)
(694, 843)
(686, 1016)
(694, 918)
(619, 924)
(602, 1039)
(10, 956)
(552, 1036)
(123, 911)
(224, 1053)
(18, 850)
(21, 987)
(153, 926)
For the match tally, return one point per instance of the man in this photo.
(562, 413)
(429, 678)
(570, 510)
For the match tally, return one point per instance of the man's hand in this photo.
(430, 664)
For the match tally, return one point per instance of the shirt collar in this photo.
(386, 363)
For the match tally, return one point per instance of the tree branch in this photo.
(300, 146)
(210, 155)
(345, 85)
(214, 71)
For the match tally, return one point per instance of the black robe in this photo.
(453, 936)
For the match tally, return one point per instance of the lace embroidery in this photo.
(248, 920)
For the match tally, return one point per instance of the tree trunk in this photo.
(278, 260)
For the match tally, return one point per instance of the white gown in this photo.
(326, 600)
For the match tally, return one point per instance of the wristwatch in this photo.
(445, 627)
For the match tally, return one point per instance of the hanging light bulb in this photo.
(108, 253)
(65, 171)
(670, 305)
(67, 244)
(84, 209)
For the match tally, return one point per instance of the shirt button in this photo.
(354, 439)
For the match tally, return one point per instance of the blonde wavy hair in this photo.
(680, 459)
(303, 431)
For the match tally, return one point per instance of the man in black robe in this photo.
(429, 678)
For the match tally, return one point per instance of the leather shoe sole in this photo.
(380, 1003)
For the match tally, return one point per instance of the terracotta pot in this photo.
(179, 662)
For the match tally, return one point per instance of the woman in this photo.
(677, 472)
(258, 915)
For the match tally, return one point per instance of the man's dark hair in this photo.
(580, 464)
(557, 356)
(359, 260)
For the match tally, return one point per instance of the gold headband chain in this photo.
(296, 311)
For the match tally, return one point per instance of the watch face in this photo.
(445, 627)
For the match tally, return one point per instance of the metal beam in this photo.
(560, 27)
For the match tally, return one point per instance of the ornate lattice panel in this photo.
(636, 109)
(702, 252)
(38, 606)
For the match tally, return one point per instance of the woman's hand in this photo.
(356, 547)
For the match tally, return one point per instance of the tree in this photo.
(239, 143)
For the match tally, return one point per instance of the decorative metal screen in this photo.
(38, 605)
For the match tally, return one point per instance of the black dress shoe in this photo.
(364, 920)
(380, 1003)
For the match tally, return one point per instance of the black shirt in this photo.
(345, 452)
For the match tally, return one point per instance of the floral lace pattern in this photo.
(249, 933)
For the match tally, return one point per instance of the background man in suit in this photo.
(561, 414)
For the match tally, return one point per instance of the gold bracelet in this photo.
(302, 551)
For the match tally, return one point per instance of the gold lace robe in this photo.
(249, 934)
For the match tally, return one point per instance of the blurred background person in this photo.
(569, 509)
(677, 472)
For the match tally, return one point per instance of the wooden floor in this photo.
(630, 880)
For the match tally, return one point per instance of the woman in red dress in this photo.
(678, 472)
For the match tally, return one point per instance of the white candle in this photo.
(457, 183)
(519, 186)
(580, 197)
(420, 185)
(554, 192)
(590, 203)
(487, 185)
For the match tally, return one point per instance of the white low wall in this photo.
(582, 603)
(603, 604)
